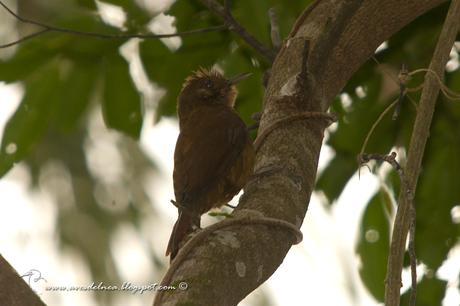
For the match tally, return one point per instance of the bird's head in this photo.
(207, 87)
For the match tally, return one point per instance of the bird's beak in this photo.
(234, 80)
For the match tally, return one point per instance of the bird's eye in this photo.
(204, 92)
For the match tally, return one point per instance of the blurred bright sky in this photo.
(323, 269)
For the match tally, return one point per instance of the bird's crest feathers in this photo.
(201, 73)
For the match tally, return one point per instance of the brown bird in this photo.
(214, 156)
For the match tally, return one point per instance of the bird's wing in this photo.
(208, 145)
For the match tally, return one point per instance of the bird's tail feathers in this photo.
(182, 227)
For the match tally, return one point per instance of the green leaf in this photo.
(393, 181)
(250, 90)
(430, 291)
(336, 175)
(373, 246)
(86, 48)
(31, 55)
(259, 24)
(404, 46)
(437, 191)
(352, 130)
(90, 4)
(121, 105)
(158, 60)
(256, 24)
(77, 89)
(136, 16)
(188, 12)
(354, 125)
(170, 68)
(31, 120)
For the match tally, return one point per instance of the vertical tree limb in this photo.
(416, 149)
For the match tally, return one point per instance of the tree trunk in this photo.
(341, 34)
(13, 289)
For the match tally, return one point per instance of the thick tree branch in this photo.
(13, 289)
(235, 261)
(332, 33)
(418, 141)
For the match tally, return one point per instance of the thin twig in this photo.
(391, 159)
(225, 14)
(405, 188)
(396, 81)
(417, 145)
(46, 28)
(403, 78)
(386, 70)
(22, 39)
(369, 134)
(412, 255)
(274, 28)
(450, 94)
